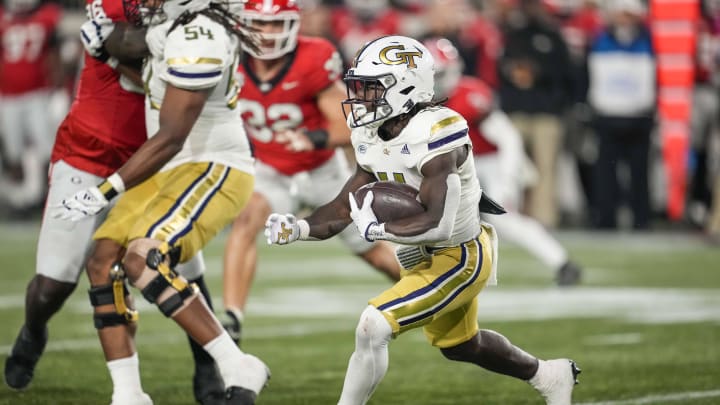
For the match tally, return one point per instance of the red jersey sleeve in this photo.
(329, 67)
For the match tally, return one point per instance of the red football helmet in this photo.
(278, 22)
(448, 65)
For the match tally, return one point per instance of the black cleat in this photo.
(575, 370)
(208, 386)
(233, 325)
(20, 365)
(239, 396)
(568, 275)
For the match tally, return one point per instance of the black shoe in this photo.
(20, 365)
(568, 275)
(208, 386)
(575, 370)
(239, 396)
(233, 325)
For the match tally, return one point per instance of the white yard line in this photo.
(655, 399)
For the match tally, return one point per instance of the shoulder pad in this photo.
(434, 131)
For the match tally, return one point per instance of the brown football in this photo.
(391, 200)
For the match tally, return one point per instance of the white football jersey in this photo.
(431, 132)
(199, 55)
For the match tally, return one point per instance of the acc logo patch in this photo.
(362, 148)
(399, 56)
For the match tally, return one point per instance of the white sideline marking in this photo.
(654, 399)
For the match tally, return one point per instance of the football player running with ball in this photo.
(399, 133)
(289, 101)
(191, 177)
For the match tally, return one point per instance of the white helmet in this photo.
(389, 76)
(273, 44)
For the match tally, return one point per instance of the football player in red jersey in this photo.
(29, 69)
(104, 127)
(290, 101)
(500, 161)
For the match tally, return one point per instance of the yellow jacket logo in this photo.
(400, 56)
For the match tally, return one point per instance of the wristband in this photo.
(318, 137)
(117, 182)
(304, 228)
(375, 231)
(112, 186)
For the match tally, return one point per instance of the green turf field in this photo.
(644, 327)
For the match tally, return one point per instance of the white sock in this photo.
(538, 380)
(369, 363)
(125, 375)
(237, 369)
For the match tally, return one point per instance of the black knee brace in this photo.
(114, 294)
(161, 259)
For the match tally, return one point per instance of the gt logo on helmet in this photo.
(407, 57)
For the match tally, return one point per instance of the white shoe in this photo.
(555, 380)
(133, 399)
(255, 373)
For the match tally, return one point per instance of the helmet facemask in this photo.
(367, 104)
(277, 42)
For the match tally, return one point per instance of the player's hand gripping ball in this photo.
(391, 200)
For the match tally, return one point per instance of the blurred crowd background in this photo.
(616, 100)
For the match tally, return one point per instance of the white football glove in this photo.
(84, 204)
(365, 219)
(281, 229)
(94, 33)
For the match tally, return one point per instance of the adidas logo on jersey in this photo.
(405, 150)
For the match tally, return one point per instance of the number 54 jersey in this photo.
(198, 55)
(289, 101)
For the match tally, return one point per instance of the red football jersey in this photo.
(25, 41)
(106, 123)
(289, 102)
(473, 99)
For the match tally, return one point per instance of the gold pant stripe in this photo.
(423, 303)
(178, 221)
